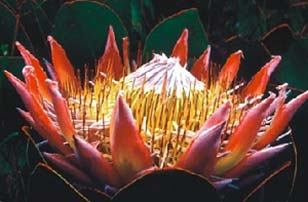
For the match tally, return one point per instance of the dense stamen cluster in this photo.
(167, 113)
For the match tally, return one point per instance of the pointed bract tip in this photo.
(50, 38)
(129, 153)
(185, 32)
(52, 86)
(239, 52)
(273, 63)
(77, 140)
(276, 57)
(110, 28)
(230, 69)
(184, 35)
(180, 49)
(28, 69)
(282, 86)
(9, 75)
(50, 82)
(17, 43)
(208, 49)
(111, 35)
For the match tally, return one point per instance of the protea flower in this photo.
(114, 125)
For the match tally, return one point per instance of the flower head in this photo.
(113, 125)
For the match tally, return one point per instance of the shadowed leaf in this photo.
(48, 185)
(168, 185)
(163, 37)
(9, 116)
(90, 20)
(13, 29)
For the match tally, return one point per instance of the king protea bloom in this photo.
(113, 124)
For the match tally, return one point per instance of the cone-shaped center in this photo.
(164, 75)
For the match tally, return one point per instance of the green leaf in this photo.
(272, 39)
(137, 21)
(298, 18)
(34, 21)
(5, 166)
(251, 22)
(82, 28)
(18, 157)
(294, 65)
(121, 8)
(150, 7)
(20, 5)
(38, 26)
(163, 37)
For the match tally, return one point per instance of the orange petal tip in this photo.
(200, 67)
(180, 49)
(230, 68)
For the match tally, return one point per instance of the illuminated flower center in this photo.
(168, 103)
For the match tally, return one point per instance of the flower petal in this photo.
(32, 82)
(61, 111)
(180, 49)
(111, 61)
(43, 124)
(61, 162)
(258, 83)
(244, 136)
(62, 67)
(38, 70)
(200, 67)
(230, 69)
(205, 146)
(254, 160)
(129, 153)
(200, 157)
(282, 116)
(27, 116)
(94, 162)
(220, 115)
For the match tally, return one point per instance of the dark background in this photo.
(259, 28)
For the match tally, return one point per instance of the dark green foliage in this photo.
(55, 187)
(91, 21)
(295, 57)
(18, 156)
(163, 36)
(9, 117)
(10, 32)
